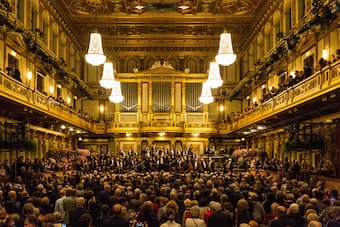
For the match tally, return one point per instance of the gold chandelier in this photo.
(206, 96)
(214, 78)
(95, 55)
(116, 93)
(108, 76)
(225, 54)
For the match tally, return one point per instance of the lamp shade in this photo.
(226, 54)
(108, 76)
(116, 94)
(95, 55)
(214, 78)
(206, 96)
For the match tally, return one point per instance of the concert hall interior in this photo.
(216, 87)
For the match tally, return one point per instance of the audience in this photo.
(106, 190)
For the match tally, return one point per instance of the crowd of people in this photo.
(93, 191)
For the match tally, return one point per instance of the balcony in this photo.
(323, 82)
(156, 122)
(24, 102)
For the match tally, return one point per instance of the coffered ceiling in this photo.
(139, 25)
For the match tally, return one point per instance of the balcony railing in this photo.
(123, 122)
(18, 92)
(168, 122)
(322, 82)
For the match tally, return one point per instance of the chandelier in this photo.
(108, 76)
(214, 78)
(206, 96)
(95, 55)
(116, 93)
(226, 54)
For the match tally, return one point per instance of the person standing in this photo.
(171, 219)
(69, 203)
(77, 212)
(195, 220)
(218, 217)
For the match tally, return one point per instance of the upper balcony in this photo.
(27, 104)
(320, 84)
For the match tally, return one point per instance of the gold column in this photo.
(139, 101)
(150, 104)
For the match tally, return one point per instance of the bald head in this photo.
(314, 224)
(117, 209)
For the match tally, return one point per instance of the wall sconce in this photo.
(221, 108)
(325, 54)
(101, 108)
(29, 75)
(263, 86)
(292, 73)
(248, 97)
(161, 133)
(128, 134)
(254, 100)
(51, 90)
(270, 88)
(29, 78)
(13, 53)
(195, 134)
(62, 126)
(68, 100)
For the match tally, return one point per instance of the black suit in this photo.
(75, 216)
(300, 221)
(219, 219)
(283, 221)
(115, 221)
(11, 207)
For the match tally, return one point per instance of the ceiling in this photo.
(143, 25)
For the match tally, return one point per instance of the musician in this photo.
(204, 164)
(229, 165)
(122, 154)
(172, 153)
(211, 165)
(196, 164)
(119, 165)
(131, 153)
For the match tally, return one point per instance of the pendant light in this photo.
(95, 55)
(116, 94)
(108, 76)
(206, 96)
(226, 54)
(214, 78)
